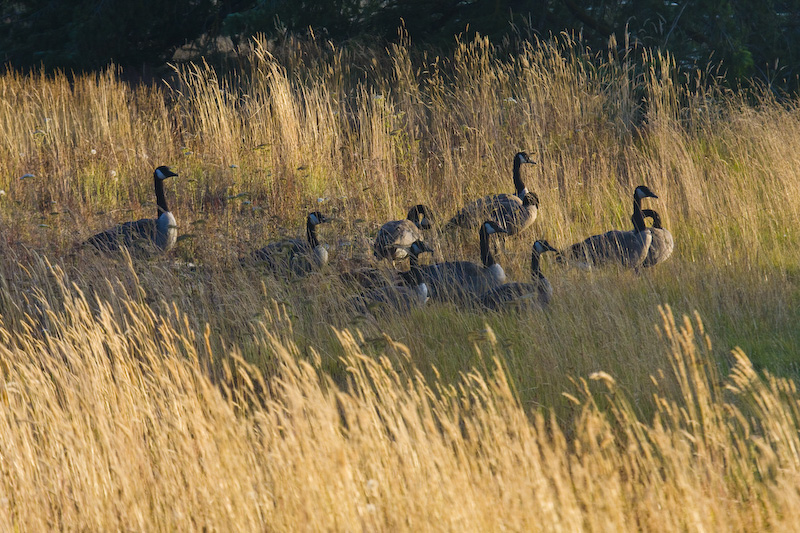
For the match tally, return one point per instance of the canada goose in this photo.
(296, 256)
(395, 237)
(370, 277)
(627, 248)
(516, 295)
(399, 298)
(463, 281)
(146, 234)
(662, 245)
(513, 212)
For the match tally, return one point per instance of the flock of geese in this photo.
(464, 283)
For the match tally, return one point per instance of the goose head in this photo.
(642, 191)
(315, 218)
(163, 172)
(522, 157)
(420, 216)
(490, 227)
(419, 247)
(541, 246)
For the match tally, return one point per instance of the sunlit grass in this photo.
(362, 134)
(114, 419)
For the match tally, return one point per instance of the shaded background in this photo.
(756, 39)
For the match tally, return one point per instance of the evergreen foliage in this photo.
(756, 39)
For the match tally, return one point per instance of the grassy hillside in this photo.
(600, 411)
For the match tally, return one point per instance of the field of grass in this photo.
(186, 392)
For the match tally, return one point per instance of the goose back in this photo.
(397, 299)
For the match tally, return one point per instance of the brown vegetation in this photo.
(186, 392)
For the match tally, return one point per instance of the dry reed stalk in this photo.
(110, 421)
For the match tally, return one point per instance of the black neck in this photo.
(413, 261)
(486, 253)
(650, 213)
(414, 274)
(536, 272)
(161, 199)
(637, 218)
(415, 213)
(311, 233)
(518, 185)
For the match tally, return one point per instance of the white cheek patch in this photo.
(314, 219)
(160, 175)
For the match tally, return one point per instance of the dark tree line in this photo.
(755, 38)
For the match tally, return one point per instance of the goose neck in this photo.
(518, 183)
(536, 272)
(311, 234)
(161, 199)
(637, 217)
(650, 213)
(414, 275)
(486, 254)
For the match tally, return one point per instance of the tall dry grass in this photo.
(362, 134)
(110, 421)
